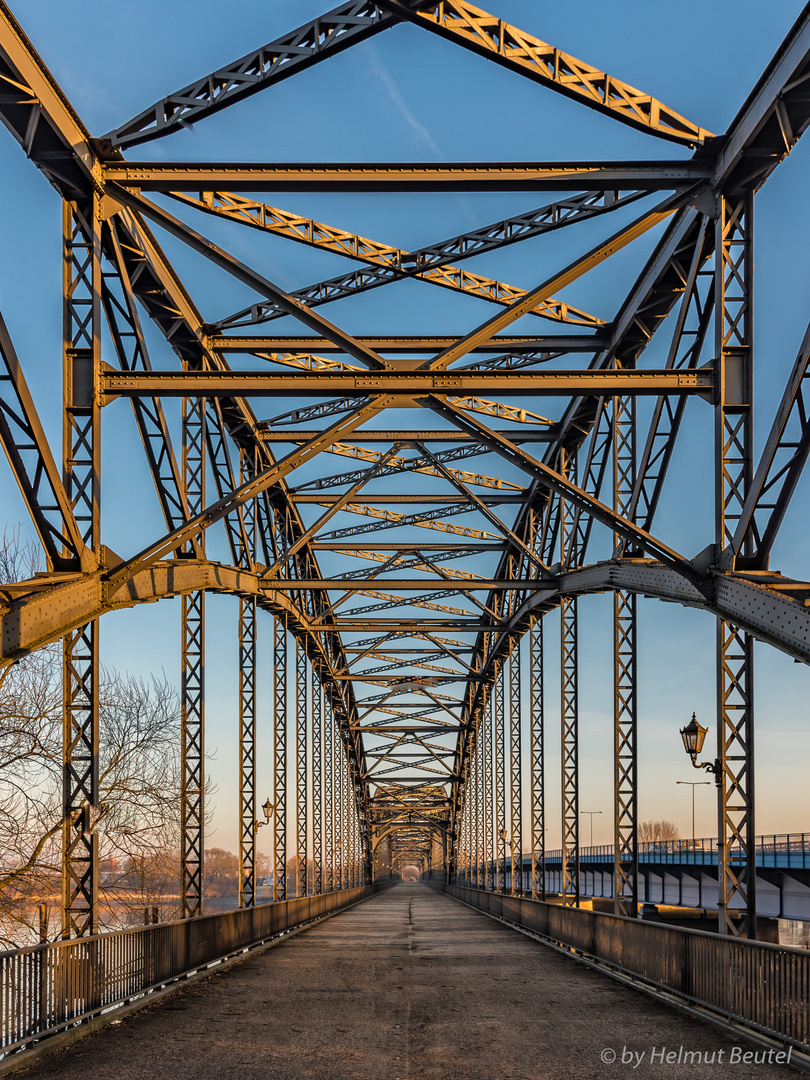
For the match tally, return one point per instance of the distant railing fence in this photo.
(764, 987)
(778, 850)
(47, 988)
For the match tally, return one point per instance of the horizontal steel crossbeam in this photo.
(406, 383)
(456, 176)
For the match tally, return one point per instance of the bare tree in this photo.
(139, 724)
(292, 875)
(654, 831)
(221, 872)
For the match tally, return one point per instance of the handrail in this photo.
(769, 849)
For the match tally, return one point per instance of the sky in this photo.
(406, 95)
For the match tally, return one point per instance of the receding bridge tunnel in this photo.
(445, 467)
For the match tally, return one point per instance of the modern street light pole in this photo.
(590, 814)
(693, 784)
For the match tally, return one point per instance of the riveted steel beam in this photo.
(182, 176)
(402, 383)
(470, 27)
(501, 343)
(27, 450)
(324, 37)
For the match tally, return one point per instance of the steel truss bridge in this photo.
(399, 583)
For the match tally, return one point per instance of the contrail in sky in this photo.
(386, 78)
(388, 81)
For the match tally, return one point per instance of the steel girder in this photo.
(364, 176)
(81, 467)
(625, 690)
(301, 768)
(317, 40)
(34, 467)
(537, 802)
(734, 452)
(273, 550)
(247, 752)
(477, 30)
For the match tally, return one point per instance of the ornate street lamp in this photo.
(693, 735)
(268, 810)
(504, 835)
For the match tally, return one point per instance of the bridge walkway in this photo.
(407, 985)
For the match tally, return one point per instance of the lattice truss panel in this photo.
(398, 512)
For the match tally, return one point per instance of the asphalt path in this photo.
(409, 984)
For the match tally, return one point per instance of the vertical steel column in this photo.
(473, 781)
(340, 843)
(734, 311)
(192, 679)
(569, 707)
(247, 751)
(81, 455)
(468, 829)
(356, 831)
(301, 769)
(479, 801)
(345, 816)
(462, 845)
(492, 795)
(280, 760)
(353, 832)
(317, 782)
(349, 829)
(247, 700)
(329, 791)
(537, 760)
(358, 848)
(483, 797)
(625, 608)
(516, 766)
(500, 766)
(347, 820)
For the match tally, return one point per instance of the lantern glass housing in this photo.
(693, 735)
(268, 810)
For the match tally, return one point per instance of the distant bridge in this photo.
(684, 873)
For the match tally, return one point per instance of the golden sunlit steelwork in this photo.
(408, 746)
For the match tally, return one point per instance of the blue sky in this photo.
(406, 95)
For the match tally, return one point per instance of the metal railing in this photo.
(47, 988)
(764, 987)
(786, 850)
